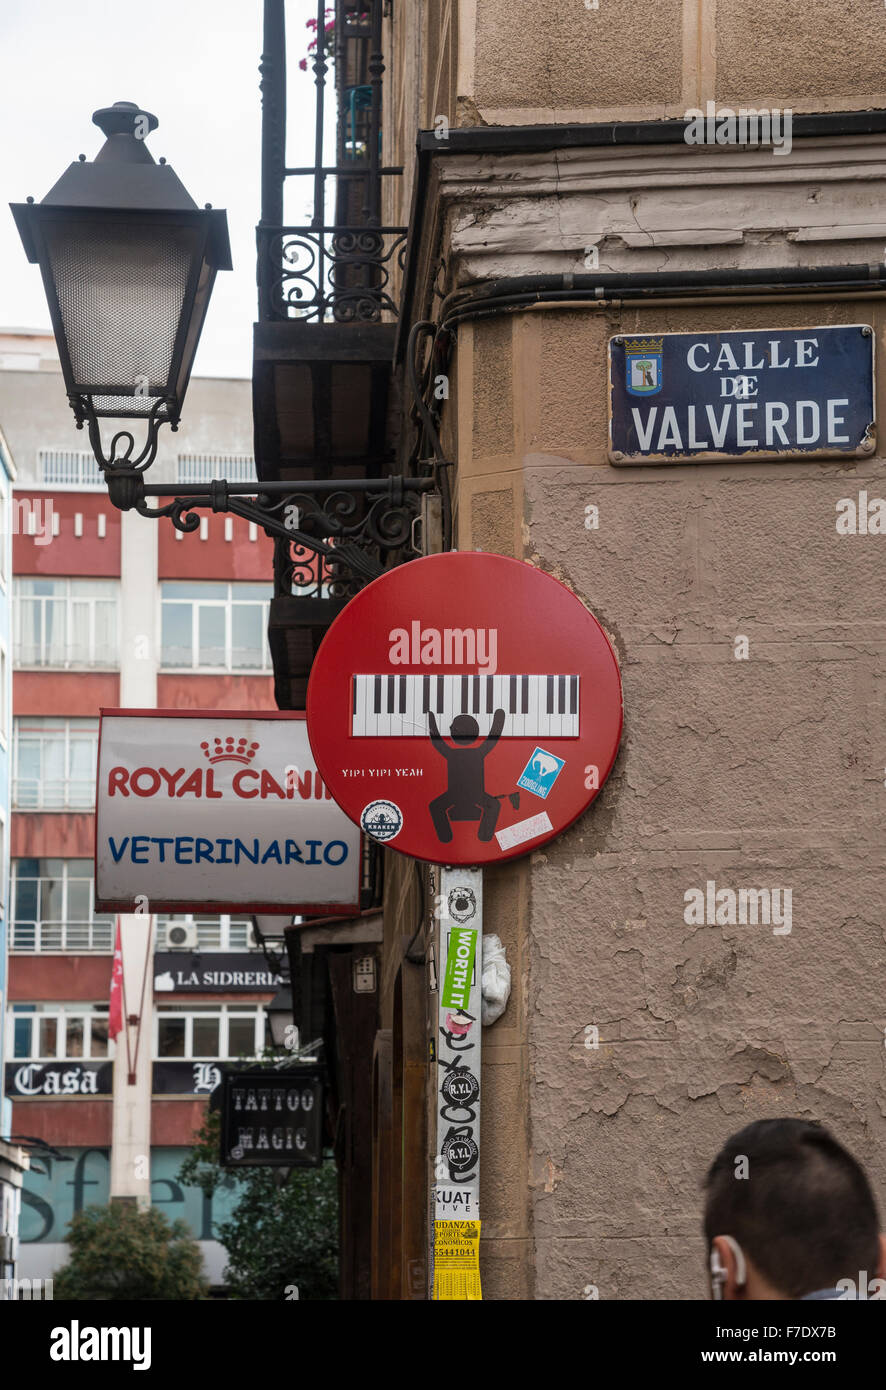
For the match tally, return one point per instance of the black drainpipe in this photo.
(520, 291)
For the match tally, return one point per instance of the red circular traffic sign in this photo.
(465, 708)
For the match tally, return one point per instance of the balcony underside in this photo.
(322, 399)
(295, 630)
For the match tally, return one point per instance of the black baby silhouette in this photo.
(465, 797)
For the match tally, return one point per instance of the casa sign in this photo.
(771, 393)
(217, 811)
(465, 708)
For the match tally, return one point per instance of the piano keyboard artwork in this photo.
(535, 706)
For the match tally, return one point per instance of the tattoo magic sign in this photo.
(218, 812)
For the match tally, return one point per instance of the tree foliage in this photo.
(283, 1234)
(122, 1252)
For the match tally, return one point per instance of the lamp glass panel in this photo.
(121, 289)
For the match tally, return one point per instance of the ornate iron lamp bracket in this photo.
(123, 442)
(352, 524)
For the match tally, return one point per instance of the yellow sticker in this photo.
(457, 1260)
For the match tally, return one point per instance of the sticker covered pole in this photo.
(456, 1190)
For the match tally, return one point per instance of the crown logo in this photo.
(230, 750)
(644, 344)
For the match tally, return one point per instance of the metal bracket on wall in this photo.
(352, 524)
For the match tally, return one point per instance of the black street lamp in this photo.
(279, 1015)
(128, 263)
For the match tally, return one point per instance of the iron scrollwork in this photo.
(120, 456)
(332, 537)
(338, 273)
(374, 523)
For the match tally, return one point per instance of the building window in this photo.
(54, 764)
(47, 1032)
(66, 622)
(69, 468)
(215, 626)
(213, 1032)
(4, 534)
(206, 468)
(4, 694)
(222, 933)
(53, 907)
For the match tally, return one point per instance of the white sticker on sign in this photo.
(524, 830)
(456, 1204)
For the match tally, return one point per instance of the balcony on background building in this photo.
(324, 340)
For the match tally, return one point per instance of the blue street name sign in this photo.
(757, 393)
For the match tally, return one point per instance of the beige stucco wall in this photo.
(759, 773)
(767, 772)
(535, 62)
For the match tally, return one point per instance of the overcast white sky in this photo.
(194, 64)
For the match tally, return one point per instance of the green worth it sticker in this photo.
(459, 968)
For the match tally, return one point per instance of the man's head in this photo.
(463, 728)
(788, 1211)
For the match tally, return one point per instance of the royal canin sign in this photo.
(222, 812)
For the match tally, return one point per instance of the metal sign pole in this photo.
(456, 1190)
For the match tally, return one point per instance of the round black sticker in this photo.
(460, 1152)
(460, 1088)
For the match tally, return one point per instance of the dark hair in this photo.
(805, 1214)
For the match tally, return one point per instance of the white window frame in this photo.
(4, 871)
(43, 801)
(223, 1013)
(227, 604)
(5, 537)
(50, 936)
(4, 693)
(84, 1011)
(69, 597)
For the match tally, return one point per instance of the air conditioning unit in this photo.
(181, 936)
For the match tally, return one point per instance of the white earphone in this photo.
(719, 1271)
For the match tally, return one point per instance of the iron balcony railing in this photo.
(340, 269)
(205, 468)
(69, 468)
(63, 937)
(53, 794)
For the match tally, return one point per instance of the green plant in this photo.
(283, 1234)
(121, 1252)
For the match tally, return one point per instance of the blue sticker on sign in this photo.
(540, 773)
